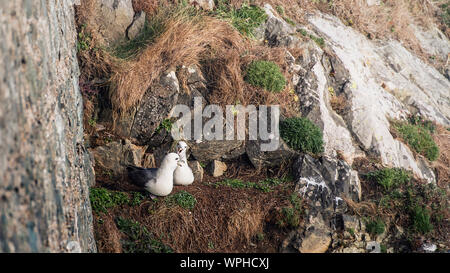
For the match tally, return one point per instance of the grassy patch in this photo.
(291, 215)
(318, 40)
(375, 227)
(84, 39)
(266, 185)
(166, 125)
(151, 30)
(245, 19)
(265, 74)
(183, 199)
(417, 134)
(302, 135)
(389, 178)
(103, 199)
(139, 238)
(421, 220)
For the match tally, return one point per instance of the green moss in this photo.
(84, 39)
(389, 178)
(375, 227)
(137, 199)
(418, 138)
(139, 238)
(245, 19)
(291, 216)
(265, 74)
(183, 199)
(421, 220)
(302, 135)
(318, 40)
(266, 185)
(103, 199)
(166, 124)
(151, 30)
(383, 249)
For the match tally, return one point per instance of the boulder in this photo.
(113, 18)
(136, 26)
(216, 168)
(277, 31)
(324, 182)
(204, 4)
(113, 157)
(197, 170)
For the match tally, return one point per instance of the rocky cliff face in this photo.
(45, 169)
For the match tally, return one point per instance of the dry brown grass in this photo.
(442, 164)
(185, 39)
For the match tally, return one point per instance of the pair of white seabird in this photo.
(159, 181)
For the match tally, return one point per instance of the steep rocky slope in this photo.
(45, 169)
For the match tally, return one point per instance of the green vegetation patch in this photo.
(245, 19)
(291, 215)
(302, 135)
(418, 136)
(318, 40)
(152, 29)
(389, 178)
(266, 185)
(139, 238)
(265, 74)
(376, 227)
(103, 199)
(183, 199)
(421, 220)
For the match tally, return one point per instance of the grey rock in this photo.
(204, 4)
(197, 170)
(136, 26)
(113, 18)
(216, 168)
(264, 159)
(45, 169)
(114, 156)
(278, 32)
(324, 182)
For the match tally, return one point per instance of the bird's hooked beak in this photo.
(179, 164)
(180, 150)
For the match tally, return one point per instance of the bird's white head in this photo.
(171, 161)
(181, 148)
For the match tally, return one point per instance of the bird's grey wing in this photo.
(141, 176)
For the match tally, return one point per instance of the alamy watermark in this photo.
(259, 119)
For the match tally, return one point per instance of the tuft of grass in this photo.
(389, 178)
(183, 199)
(165, 124)
(291, 215)
(152, 29)
(421, 220)
(245, 19)
(137, 199)
(103, 199)
(139, 238)
(84, 39)
(266, 185)
(419, 138)
(302, 135)
(375, 227)
(265, 74)
(318, 40)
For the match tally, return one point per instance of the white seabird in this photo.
(158, 181)
(183, 174)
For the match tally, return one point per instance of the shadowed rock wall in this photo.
(45, 170)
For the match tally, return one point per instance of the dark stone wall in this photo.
(45, 170)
